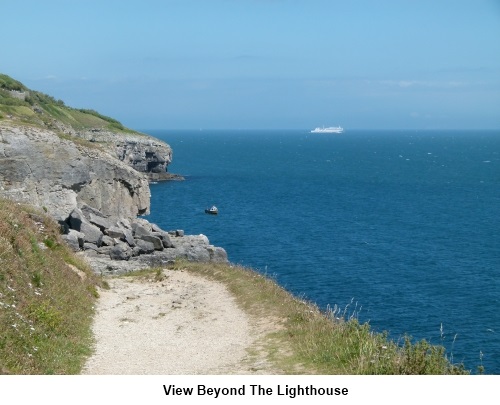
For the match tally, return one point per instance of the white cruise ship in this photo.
(327, 130)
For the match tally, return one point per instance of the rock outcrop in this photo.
(39, 167)
(143, 153)
(96, 193)
(127, 245)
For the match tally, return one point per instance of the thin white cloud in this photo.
(424, 83)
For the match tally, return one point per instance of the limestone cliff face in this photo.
(41, 168)
(141, 152)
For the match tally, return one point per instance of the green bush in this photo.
(8, 83)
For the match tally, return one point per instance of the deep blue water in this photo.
(405, 225)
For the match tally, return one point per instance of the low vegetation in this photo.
(47, 296)
(309, 341)
(26, 106)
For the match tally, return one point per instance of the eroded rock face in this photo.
(143, 153)
(96, 197)
(40, 168)
(146, 156)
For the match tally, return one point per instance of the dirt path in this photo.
(181, 325)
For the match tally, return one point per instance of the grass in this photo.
(49, 109)
(309, 341)
(46, 308)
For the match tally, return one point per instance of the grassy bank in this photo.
(309, 341)
(26, 106)
(46, 296)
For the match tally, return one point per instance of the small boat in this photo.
(212, 210)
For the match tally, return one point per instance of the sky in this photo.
(262, 64)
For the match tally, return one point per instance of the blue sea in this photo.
(400, 227)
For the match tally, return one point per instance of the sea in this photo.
(398, 228)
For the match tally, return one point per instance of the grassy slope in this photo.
(40, 109)
(46, 308)
(312, 342)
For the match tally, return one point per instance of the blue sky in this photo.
(385, 64)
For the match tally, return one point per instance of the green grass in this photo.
(309, 341)
(46, 309)
(8, 83)
(49, 109)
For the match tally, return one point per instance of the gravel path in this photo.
(182, 325)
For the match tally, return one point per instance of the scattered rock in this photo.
(108, 241)
(74, 239)
(157, 242)
(120, 252)
(90, 246)
(100, 222)
(115, 232)
(92, 233)
(144, 246)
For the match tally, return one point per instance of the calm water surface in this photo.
(402, 225)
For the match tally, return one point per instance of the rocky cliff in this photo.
(39, 167)
(142, 152)
(93, 179)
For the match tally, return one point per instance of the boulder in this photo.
(90, 246)
(78, 222)
(140, 230)
(144, 247)
(115, 232)
(129, 238)
(104, 250)
(124, 223)
(108, 241)
(92, 233)
(99, 221)
(217, 254)
(157, 242)
(74, 239)
(156, 228)
(120, 252)
(142, 222)
(165, 238)
(136, 251)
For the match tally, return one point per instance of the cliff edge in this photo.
(92, 175)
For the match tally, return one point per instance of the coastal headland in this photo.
(89, 285)
(91, 176)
